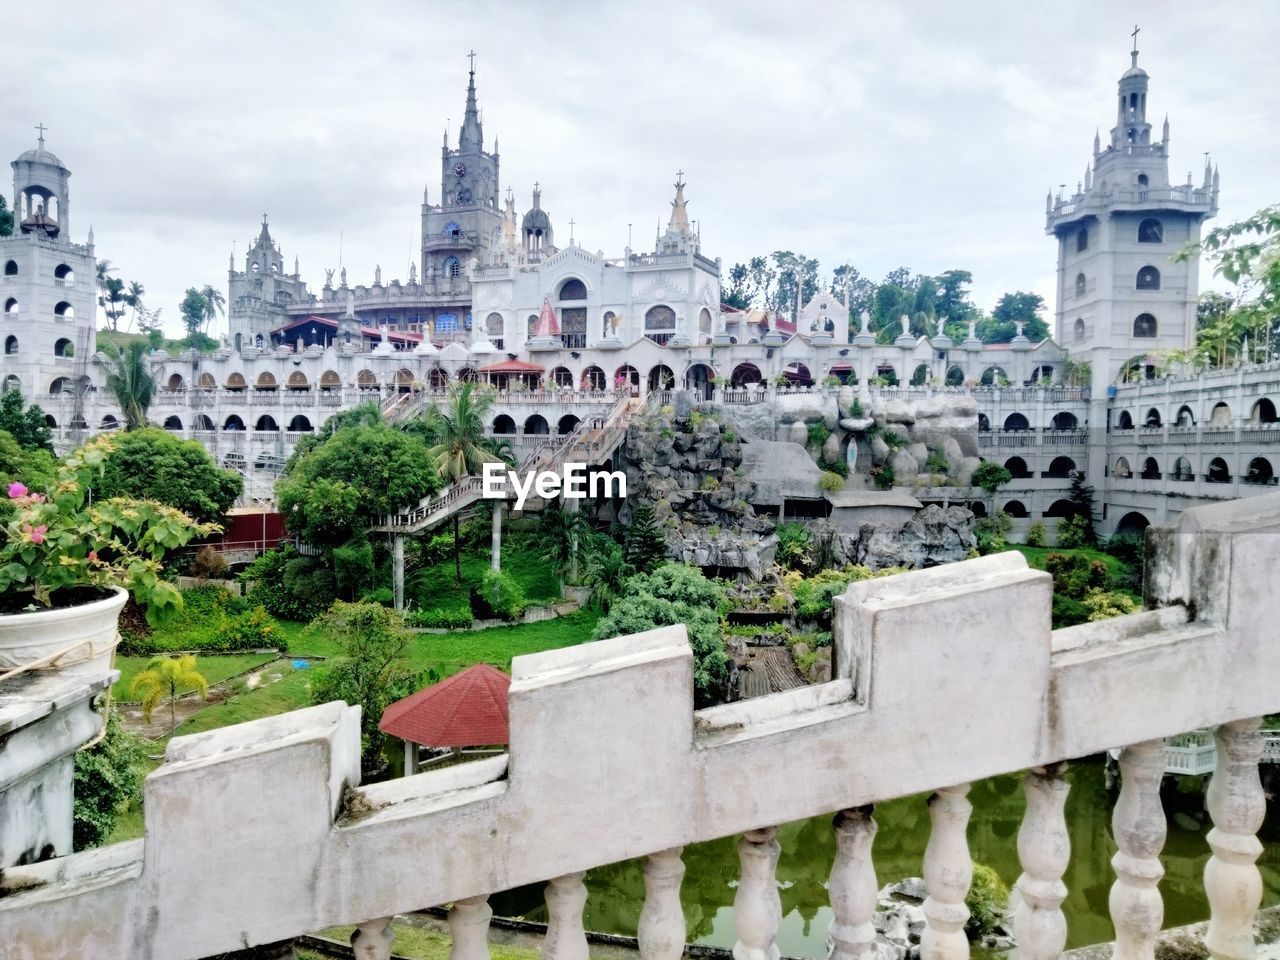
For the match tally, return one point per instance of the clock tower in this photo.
(467, 222)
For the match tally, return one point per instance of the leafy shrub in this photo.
(855, 409)
(990, 476)
(1104, 604)
(1075, 532)
(830, 482)
(252, 630)
(383, 595)
(1037, 536)
(1068, 612)
(309, 585)
(353, 568)
(498, 597)
(987, 899)
(729, 437)
(793, 546)
(883, 476)
(1075, 575)
(1129, 548)
(108, 778)
(449, 617)
(208, 563)
(893, 440)
(814, 594)
(992, 533)
(834, 466)
(937, 462)
(818, 433)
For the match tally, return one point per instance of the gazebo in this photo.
(501, 374)
(468, 709)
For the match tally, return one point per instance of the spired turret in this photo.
(41, 199)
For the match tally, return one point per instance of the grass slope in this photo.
(215, 668)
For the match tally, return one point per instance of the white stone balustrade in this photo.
(757, 908)
(661, 930)
(265, 826)
(853, 887)
(948, 870)
(1044, 849)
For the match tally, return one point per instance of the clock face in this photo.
(459, 169)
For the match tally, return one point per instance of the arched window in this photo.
(63, 348)
(203, 422)
(1264, 411)
(300, 424)
(1220, 415)
(537, 425)
(1142, 180)
(1182, 469)
(919, 376)
(1016, 421)
(660, 324)
(984, 423)
(994, 376)
(1081, 283)
(955, 376)
(1260, 471)
(503, 424)
(1082, 240)
(329, 380)
(11, 306)
(452, 268)
(1064, 421)
(10, 345)
(1015, 508)
(233, 422)
(1017, 468)
(1061, 467)
(1153, 418)
(573, 289)
(11, 268)
(266, 422)
(1150, 469)
(265, 381)
(562, 377)
(1124, 421)
(172, 423)
(1218, 471)
(1151, 230)
(1185, 417)
(1144, 325)
(493, 325)
(452, 231)
(568, 423)
(65, 274)
(235, 381)
(12, 382)
(109, 422)
(64, 311)
(1148, 278)
(1122, 469)
(1079, 330)
(254, 267)
(593, 379)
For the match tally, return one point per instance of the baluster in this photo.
(948, 871)
(661, 931)
(853, 887)
(1044, 849)
(1237, 805)
(372, 939)
(757, 908)
(566, 939)
(469, 928)
(1138, 823)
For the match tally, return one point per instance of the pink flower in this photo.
(16, 490)
(93, 556)
(34, 534)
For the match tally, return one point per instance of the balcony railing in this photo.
(261, 832)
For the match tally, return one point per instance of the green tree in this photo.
(153, 464)
(6, 218)
(676, 594)
(27, 426)
(990, 476)
(107, 780)
(1012, 308)
(130, 382)
(460, 448)
(643, 544)
(561, 531)
(133, 300)
(112, 300)
(1081, 498)
(607, 572)
(371, 672)
(794, 271)
(164, 678)
(351, 481)
(36, 469)
(193, 310)
(214, 302)
(953, 296)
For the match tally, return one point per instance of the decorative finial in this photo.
(472, 58)
(1134, 52)
(41, 128)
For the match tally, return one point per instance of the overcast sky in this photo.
(905, 134)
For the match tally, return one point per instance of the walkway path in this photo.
(189, 704)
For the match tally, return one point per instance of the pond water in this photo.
(616, 892)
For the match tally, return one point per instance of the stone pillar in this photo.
(495, 538)
(1044, 849)
(853, 887)
(372, 939)
(1238, 805)
(948, 870)
(469, 927)
(51, 715)
(661, 931)
(1138, 823)
(397, 569)
(757, 908)
(410, 758)
(566, 939)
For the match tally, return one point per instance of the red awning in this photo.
(468, 709)
(512, 366)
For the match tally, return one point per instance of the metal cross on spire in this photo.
(1136, 28)
(41, 128)
(472, 58)
(571, 223)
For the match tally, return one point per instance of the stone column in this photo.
(495, 538)
(469, 927)
(1238, 805)
(372, 939)
(853, 887)
(397, 569)
(661, 931)
(1044, 849)
(948, 870)
(566, 939)
(757, 908)
(1138, 823)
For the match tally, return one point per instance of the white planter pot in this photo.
(87, 633)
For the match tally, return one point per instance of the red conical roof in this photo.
(468, 709)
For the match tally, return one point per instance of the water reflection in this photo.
(616, 891)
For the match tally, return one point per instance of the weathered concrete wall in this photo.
(253, 836)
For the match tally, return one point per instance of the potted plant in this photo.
(69, 563)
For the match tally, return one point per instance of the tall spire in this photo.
(679, 222)
(471, 134)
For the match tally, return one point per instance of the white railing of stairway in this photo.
(260, 832)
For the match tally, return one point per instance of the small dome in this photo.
(536, 219)
(1134, 72)
(41, 155)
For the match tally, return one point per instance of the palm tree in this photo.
(112, 299)
(561, 530)
(460, 449)
(130, 381)
(105, 270)
(214, 302)
(133, 299)
(607, 573)
(164, 676)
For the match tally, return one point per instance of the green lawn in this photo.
(289, 693)
(420, 944)
(434, 587)
(1036, 557)
(215, 667)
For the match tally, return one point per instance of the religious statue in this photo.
(431, 272)
(351, 304)
(614, 322)
(973, 329)
(343, 276)
(413, 273)
(472, 265)
(328, 278)
(906, 325)
(866, 322)
(1018, 325)
(377, 275)
(942, 322)
(431, 330)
